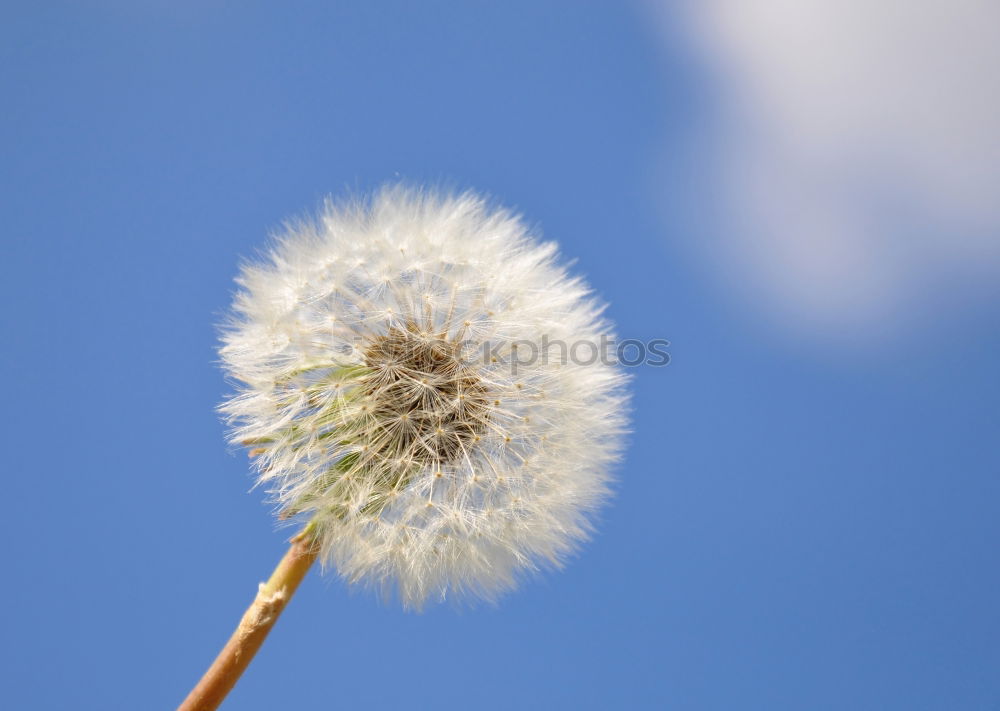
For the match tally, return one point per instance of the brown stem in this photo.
(257, 621)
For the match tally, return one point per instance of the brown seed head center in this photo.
(427, 403)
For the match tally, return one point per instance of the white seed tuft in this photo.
(384, 397)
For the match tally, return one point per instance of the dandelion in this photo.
(408, 390)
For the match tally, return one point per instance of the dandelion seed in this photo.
(380, 382)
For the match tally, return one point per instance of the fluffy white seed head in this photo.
(407, 384)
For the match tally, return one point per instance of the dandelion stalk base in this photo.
(257, 621)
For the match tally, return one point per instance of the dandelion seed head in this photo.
(387, 398)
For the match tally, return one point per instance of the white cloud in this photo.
(859, 150)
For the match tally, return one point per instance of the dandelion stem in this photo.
(257, 621)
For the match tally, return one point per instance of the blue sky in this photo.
(807, 516)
